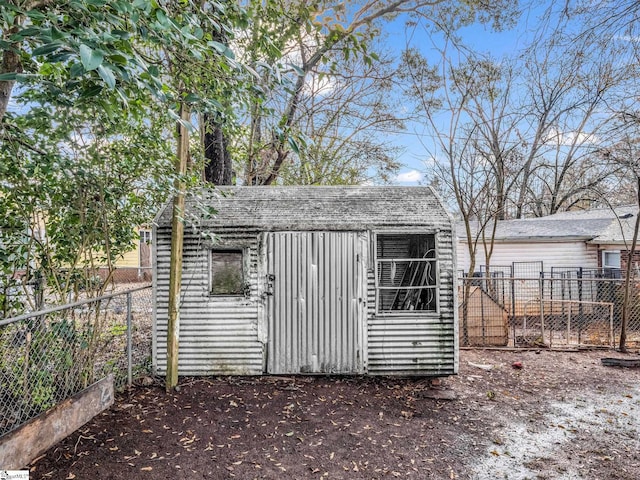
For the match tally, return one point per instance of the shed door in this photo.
(317, 306)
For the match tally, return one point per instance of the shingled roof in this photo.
(601, 226)
(313, 208)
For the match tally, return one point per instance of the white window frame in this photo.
(378, 288)
(604, 256)
(145, 235)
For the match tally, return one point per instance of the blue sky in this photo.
(478, 37)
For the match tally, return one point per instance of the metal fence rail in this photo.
(50, 355)
(550, 310)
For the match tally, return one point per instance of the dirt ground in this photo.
(562, 415)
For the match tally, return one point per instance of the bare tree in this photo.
(458, 106)
(625, 155)
(540, 117)
(469, 130)
(317, 51)
(616, 26)
(568, 89)
(488, 84)
(346, 114)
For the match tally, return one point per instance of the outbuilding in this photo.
(311, 280)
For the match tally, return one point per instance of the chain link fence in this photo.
(50, 355)
(559, 308)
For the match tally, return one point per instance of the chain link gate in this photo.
(553, 310)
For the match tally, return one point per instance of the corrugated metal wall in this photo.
(218, 335)
(417, 343)
(317, 307)
(320, 317)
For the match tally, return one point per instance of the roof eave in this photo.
(538, 239)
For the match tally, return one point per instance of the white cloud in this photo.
(430, 162)
(412, 176)
(628, 38)
(319, 86)
(569, 138)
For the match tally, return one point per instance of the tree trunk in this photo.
(217, 168)
(10, 64)
(177, 241)
(217, 161)
(626, 302)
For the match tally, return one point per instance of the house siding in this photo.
(130, 259)
(551, 254)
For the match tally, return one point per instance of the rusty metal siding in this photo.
(317, 307)
(421, 343)
(218, 335)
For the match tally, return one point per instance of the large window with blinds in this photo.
(406, 273)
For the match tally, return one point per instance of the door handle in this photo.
(271, 278)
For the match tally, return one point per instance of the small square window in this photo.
(611, 259)
(227, 276)
(145, 236)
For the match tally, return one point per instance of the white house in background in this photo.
(587, 239)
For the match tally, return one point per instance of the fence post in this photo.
(39, 290)
(129, 342)
(39, 301)
(466, 285)
(542, 307)
(612, 338)
(580, 293)
(513, 307)
(569, 325)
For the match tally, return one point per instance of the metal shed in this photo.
(313, 280)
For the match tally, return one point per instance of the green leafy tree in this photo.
(127, 61)
(79, 195)
(86, 144)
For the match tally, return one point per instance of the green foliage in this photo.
(45, 359)
(38, 364)
(120, 45)
(88, 156)
(76, 193)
